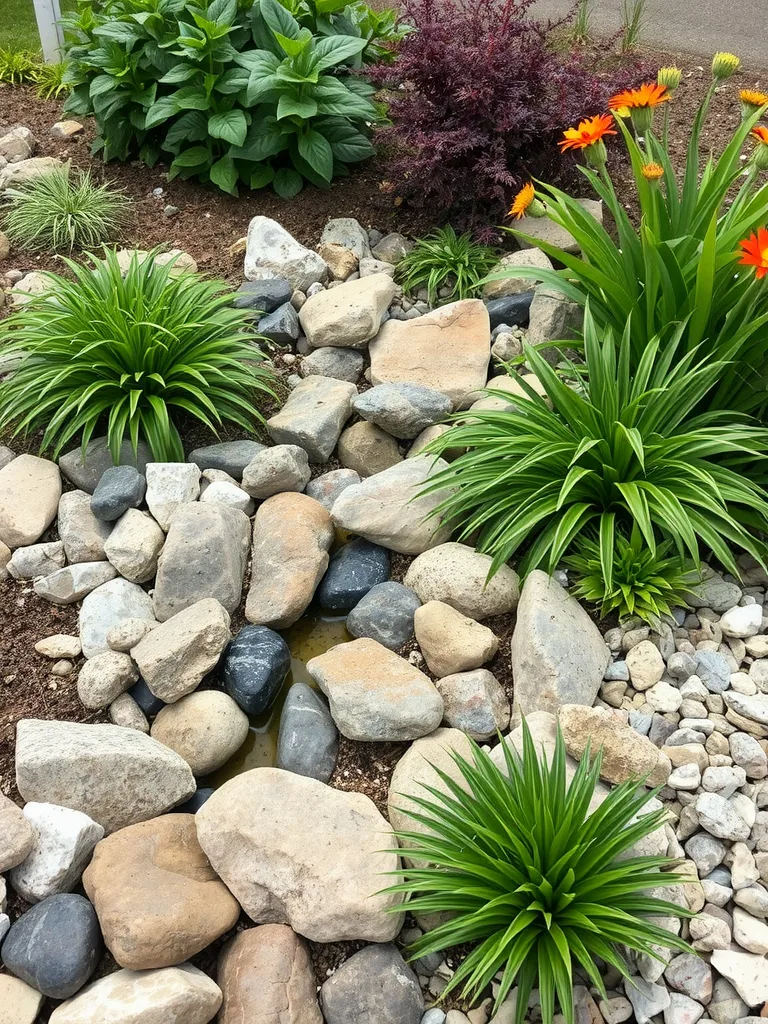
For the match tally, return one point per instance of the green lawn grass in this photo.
(18, 28)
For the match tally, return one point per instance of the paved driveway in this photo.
(697, 26)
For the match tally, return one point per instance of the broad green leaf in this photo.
(316, 150)
(287, 183)
(229, 125)
(293, 106)
(224, 174)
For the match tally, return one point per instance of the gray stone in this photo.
(107, 606)
(169, 485)
(281, 326)
(81, 532)
(647, 999)
(403, 410)
(16, 836)
(115, 776)
(104, 677)
(552, 317)
(682, 1009)
(713, 670)
(719, 818)
(327, 487)
(512, 310)
(509, 284)
(229, 456)
(74, 582)
(86, 472)
(6, 456)
(314, 416)
(385, 614)
(726, 1006)
(347, 232)
(308, 741)
(134, 546)
(458, 575)
(34, 560)
(205, 555)
(475, 703)
(284, 467)
(272, 252)
(339, 363)
(369, 267)
(690, 975)
(354, 569)
(392, 248)
(558, 653)
(263, 296)
(706, 852)
(375, 986)
(747, 752)
(119, 488)
(713, 592)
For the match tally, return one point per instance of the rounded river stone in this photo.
(308, 741)
(354, 570)
(255, 664)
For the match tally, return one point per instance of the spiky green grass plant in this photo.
(131, 352)
(532, 879)
(50, 81)
(63, 211)
(445, 258)
(17, 66)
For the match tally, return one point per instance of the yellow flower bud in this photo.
(724, 65)
(670, 77)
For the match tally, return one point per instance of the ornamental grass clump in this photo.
(134, 353)
(533, 878)
(446, 260)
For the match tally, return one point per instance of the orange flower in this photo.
(760, 132)
(652, 172)
(587, 133)
(752, 98)
(755, 252)
(522, 201)
(650, 94)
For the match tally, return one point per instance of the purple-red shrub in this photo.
(483, 98)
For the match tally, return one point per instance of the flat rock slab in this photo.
(374, 694)
(116, 776)
(390, 509)
(86, 471)
(30, 489)
(314, 415)
(229, 456)
(448, 349)
(205, 555)
(108, 606)
(347, 316)
(319, 872)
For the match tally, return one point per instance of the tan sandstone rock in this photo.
(30, 489)
(626, 754)
(205, 728)
(347, 316)
(17, 836)
(452, 642)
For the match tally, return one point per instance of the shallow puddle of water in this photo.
(311, 636)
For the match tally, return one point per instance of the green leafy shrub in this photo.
(532, 879)
(624, 447)
(64, 210)
(133, 351)
(630, 579)
(232, 94)
(17, 66)
(444, 258)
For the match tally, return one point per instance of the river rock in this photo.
(552, 317)
(285, 467)
(720, 818)
(125, 712)
(452, 642)
(475, 702)
(389, 508)
(448, 349)
(504, 389)
(174, 657)
(385, 614)
(19, 1002)
(354, 570)
(228, 456)
(135, 545)
(367, 449)
(558, 653)
(339, 363)
(204, 557)
(35, 560)
(626, 754)
(255, 665)
(87, 472)
(713, 669)
(271, 252)
(375, 986)
(54, 947)
(263, 296)
(205, 728)
(156, 896)
(314, 415)
(457, 575)
(104, 677)
(30, 489)
(647, 999)
(64, 841)
(169, 485)
(327, 487)
(115, 776)
(74, 582)
(747, 972)
(144, 997)
(374, 694)
(17, 837)
(108, 606)
(118, 489)
(281, 326)
(690, 975)
(308, 741)
(224, 492)
(511, 285)
(291, 537)
(645, 665)
(403, 410)
(82, 534)
(320, 872)
(347, 316)
(148, 703)
(60, 645)
(713, 591)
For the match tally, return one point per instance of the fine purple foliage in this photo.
(483, 98)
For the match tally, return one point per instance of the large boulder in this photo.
(291, 538)
(116, 776)
(448, 349)
(294, 851)
(390, 508)
(30, 489)
(205, 555)
(374, 694)
(146, 997)
(266, 977)
(108, 606)
(626, 754)
(457, 575)
(156, 896)
(174, 657)
(375, 986)
(271, 252)
(558, 653)
(25, 171)
(314, 415)
(349, 315)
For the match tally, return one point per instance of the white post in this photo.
(48, 15)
